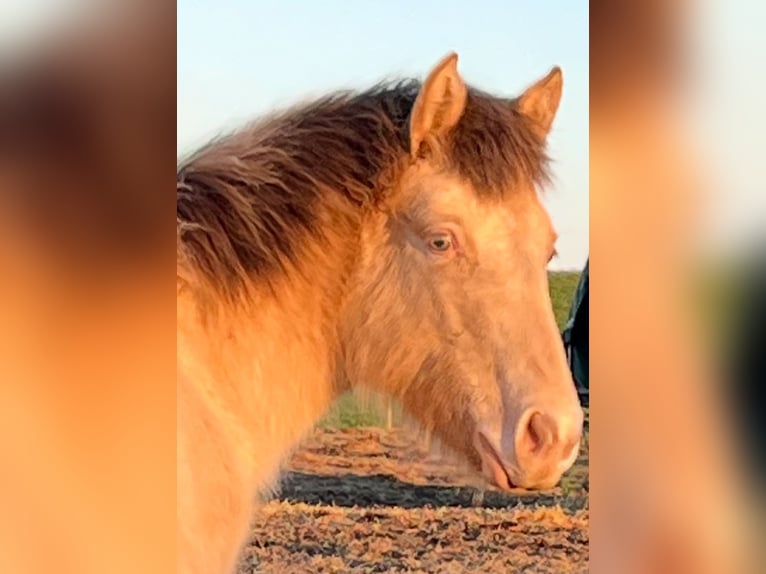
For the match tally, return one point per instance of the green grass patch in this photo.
(563, 285)
(347, 412)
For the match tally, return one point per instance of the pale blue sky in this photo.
(239, 58)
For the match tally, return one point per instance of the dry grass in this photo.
(369, 500)
(305, 538)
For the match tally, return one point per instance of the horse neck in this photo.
(270, 367)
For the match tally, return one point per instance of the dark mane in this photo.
(245, 201)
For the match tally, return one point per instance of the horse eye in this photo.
(440, 242)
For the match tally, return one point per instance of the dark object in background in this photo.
(748, 367)
(576, 335)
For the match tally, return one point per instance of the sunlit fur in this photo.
(303, 273)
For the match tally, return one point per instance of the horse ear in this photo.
(540, 102)
(439, 105)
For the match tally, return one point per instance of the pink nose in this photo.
(546, 443)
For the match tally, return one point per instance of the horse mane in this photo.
(245, 201)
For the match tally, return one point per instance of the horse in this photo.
(393, 239)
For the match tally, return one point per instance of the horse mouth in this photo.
(492, 463)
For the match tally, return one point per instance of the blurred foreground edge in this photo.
(667, 485)
(87, 399)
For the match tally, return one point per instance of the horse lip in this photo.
(492, 459)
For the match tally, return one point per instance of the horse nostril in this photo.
(538, 435)
(546, 445)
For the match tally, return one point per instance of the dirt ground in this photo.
(370, 500)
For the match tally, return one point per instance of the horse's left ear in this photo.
(540, 102)
(439, 105)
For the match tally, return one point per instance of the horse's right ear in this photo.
(439, 105)
(540, 102)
